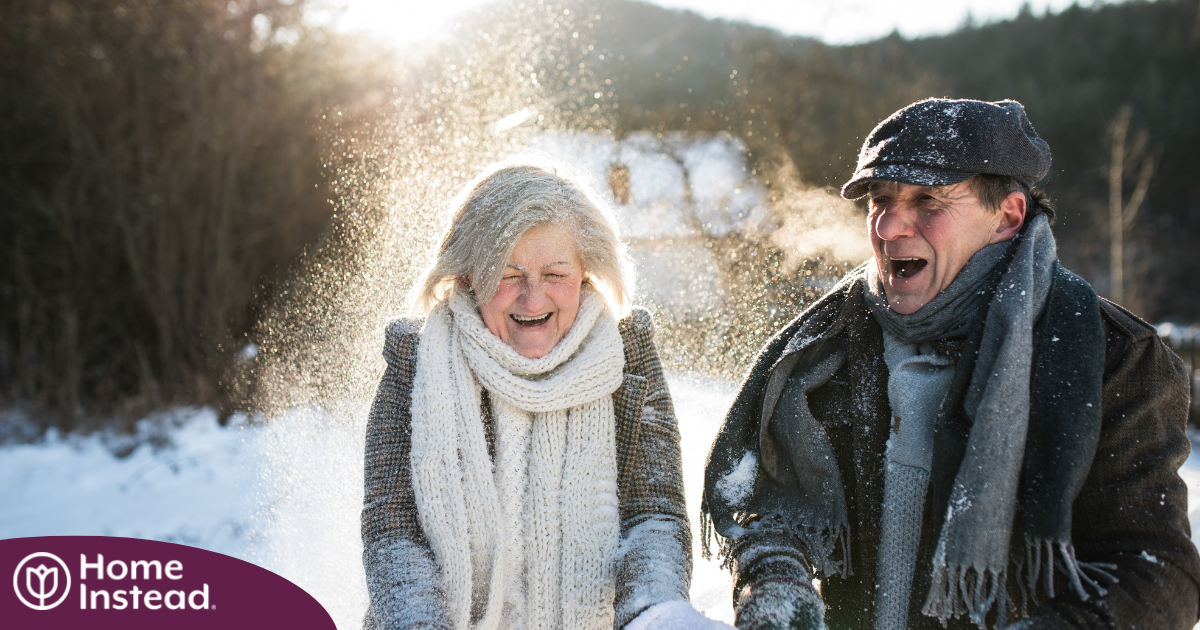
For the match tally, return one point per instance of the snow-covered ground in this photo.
(284, 495)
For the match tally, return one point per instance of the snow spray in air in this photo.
(464, 101)
(736, 261)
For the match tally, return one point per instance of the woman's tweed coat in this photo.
(1131, 512)
(655, 561)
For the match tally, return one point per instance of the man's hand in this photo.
(780, 604)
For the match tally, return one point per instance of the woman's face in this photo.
(538, 296)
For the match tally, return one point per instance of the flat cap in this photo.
(938, 142)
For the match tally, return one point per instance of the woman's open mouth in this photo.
(907, 267)
(531, 321)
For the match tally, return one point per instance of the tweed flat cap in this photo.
(938, 142)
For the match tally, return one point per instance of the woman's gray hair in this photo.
(493, 211)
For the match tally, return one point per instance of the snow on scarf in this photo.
(1030, 352)
(554, 483)
(971, 562)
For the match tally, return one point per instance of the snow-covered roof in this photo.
(725, 197)
(677, 271)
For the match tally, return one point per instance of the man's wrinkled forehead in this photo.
(881, 186)
(884, 186)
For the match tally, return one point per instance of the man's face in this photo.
(922, 237)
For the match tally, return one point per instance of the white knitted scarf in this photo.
(529, 543)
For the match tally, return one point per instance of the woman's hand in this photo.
(676, 615)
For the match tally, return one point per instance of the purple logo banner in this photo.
(99, 582)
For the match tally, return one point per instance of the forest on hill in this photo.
(165, 165)
(1074, 71)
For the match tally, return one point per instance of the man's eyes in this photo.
(883, 201)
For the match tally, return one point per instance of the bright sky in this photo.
(833, 21)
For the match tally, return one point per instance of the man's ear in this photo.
(1012, 217)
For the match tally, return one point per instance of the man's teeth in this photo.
(907, 267)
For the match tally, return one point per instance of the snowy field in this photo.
(284, 495)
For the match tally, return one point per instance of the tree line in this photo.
(164, 163)
(160, 162)
(1078, 73)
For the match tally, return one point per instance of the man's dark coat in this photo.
(1131, 511)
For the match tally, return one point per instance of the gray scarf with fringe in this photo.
(972, 558)
(1009, 480)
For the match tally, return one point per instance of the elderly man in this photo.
(961, 433)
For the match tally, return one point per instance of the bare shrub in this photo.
(160, 165)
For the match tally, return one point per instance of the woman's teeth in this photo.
(531, 321)
(907, 267)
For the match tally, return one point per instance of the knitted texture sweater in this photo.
(654, 558)
(918, 381)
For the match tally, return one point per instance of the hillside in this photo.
(1073, 71)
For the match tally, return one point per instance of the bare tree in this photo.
(160, 165)
(1121, 214)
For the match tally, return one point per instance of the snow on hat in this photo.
(938, 142)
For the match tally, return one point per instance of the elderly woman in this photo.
(522, 456)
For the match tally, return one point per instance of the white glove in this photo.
(676, 615)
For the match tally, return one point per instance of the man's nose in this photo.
(895, 221)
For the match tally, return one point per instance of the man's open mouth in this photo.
(907, 267)
(531, 321)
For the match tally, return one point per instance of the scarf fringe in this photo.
(1042, 558)
(822, 546)
(958, 590)
(964, 590)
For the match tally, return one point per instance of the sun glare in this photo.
(402, 22)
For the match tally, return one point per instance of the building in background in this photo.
(675, 194)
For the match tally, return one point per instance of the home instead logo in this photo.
(100, 582)
(46, 589)
(46, 576)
